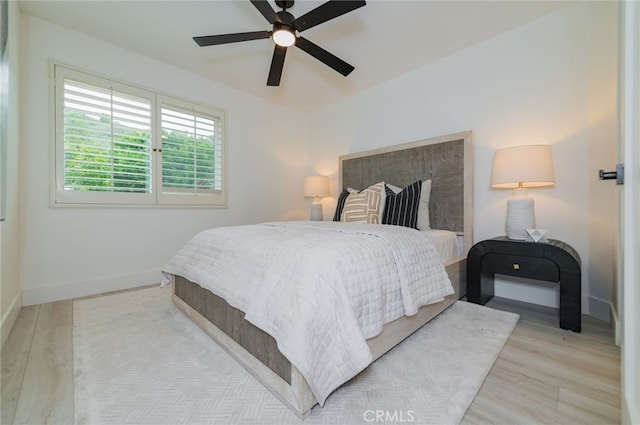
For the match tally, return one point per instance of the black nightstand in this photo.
(554, 261)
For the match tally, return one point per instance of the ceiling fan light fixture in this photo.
(284, 31)
(284, 36)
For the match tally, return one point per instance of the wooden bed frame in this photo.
(448, 162)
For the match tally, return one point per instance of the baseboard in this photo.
(630, 414)
(605, 311)
(9, 318)
(598, 308)
(67, 291)
(617, 326)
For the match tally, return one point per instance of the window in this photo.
(191, 151)
(118, 144)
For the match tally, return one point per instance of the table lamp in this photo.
(316, 187)
(520, 168)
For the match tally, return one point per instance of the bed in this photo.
(447, 161)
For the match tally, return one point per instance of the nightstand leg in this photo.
(487, 287)
(480, 287)
(473, 278)
(570, 302)
(480, 284)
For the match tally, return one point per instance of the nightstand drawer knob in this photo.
(516, 266)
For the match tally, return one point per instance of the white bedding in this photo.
(446, 243)
(319, 288)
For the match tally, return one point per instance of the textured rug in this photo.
(139, 360)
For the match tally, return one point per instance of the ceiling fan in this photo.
(283, 33)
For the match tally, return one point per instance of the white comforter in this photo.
(319, 288)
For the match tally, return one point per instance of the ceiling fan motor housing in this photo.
(288, 4)
(286, 18)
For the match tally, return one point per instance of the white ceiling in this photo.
(382, 40)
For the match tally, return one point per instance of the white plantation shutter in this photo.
(119, 144)
(107, 140)
(191, 151)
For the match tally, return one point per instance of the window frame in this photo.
(155, 197)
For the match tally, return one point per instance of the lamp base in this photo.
(316, 211)
(520, 216)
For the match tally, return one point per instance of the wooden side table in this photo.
(554, 261)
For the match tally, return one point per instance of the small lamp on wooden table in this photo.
(520, 168)
(316, 187)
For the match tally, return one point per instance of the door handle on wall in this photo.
(618, 175)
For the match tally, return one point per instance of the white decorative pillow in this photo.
(366, 206)
(423, 208)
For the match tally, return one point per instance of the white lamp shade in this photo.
(315, 186)
(522, 166)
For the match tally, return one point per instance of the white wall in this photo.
(68, 252)
(10, 290)
(551, 81)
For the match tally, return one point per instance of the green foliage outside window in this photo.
(188, 161)
(99, 158)
(96, 160)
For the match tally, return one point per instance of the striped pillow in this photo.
(366, 206)
(341, 199)
(401, 209)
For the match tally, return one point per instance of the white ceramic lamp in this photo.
(520, 168)
(316, 187)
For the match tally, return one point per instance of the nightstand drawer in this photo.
(522, 266)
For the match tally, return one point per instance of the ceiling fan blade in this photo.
(325, 12)
(211, 40)
(323, 56)
(277, 63)
(267, 11)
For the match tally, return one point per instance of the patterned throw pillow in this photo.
(366, 206)
(401, 209)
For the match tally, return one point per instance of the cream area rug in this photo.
(139, 360)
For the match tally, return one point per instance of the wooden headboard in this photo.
(446, 160)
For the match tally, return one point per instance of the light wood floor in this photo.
(544, 375)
